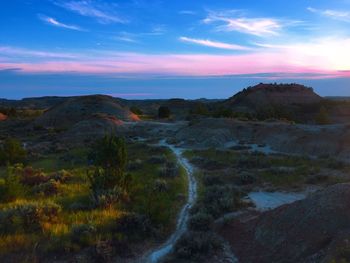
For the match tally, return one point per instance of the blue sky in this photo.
(162, 48)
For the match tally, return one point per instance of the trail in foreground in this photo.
(181, 226)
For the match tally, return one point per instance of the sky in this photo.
(144, 49)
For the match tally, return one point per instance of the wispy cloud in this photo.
(14, 51)
(214, 44)
(104, 13)
(56, 23)
(156, 30)
(333, 14)
(187, 12)
(232, 21)
(126, 37)
(319, 57)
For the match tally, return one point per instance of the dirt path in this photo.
(158, 254)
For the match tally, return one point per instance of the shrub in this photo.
(322, 117)
(134, 226)
(27, 216)
(103, 251)
(160, 186)
(49, 188)
(246, 178)
(33, 177)
(102, 193)
(79, 206)
(170, 170)
(83, 235)
(210, 179)
(157, 160)
(10, 186)
(200, 222)
(163, 112)
(109, 178)
(135, 165)
(136, 110)
(62, 176)
(221, 199)
(11, 151)
(195, 246)
(200, 109)
(106, 198)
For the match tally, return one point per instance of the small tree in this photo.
(200, 109)
(136, 110)
(109, 181)
(163, 112)
(322, 117)
(11, 152)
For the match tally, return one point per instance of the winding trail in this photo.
(181, 227)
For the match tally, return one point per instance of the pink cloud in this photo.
(214, 44)
(285, 61)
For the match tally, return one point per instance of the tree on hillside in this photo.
(200, 109)
(136, 110)
(108, 181)
(163, 112)
(12, 152)
(322, 117)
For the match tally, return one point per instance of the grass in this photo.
(276, 170)
(73, 196)
(73, 159)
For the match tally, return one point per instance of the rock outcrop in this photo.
(316, 229)
(263, 95)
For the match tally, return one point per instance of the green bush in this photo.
(163, 112)
(218, 200)
(134, 226)
(62, 176)
(27, 217)
(11, 152)
(32, 177)
(195, 246)
(210, 179)
(169, 170)
(200, 222)
(49, 188)
(11, 187)
(83, 235)
(322, 117)
(136, 110)
(108, 182)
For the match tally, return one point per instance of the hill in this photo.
(77, 109)
(262, 95)
(2, 117)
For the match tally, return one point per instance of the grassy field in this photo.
(242, 167)
(55, 217)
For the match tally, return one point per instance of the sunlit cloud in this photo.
(321, 58)
(56, 23)
(252, 26)
(330, 52)
(104, 14)
(333, 14)
(213, 44)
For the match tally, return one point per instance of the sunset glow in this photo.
(166, 39)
